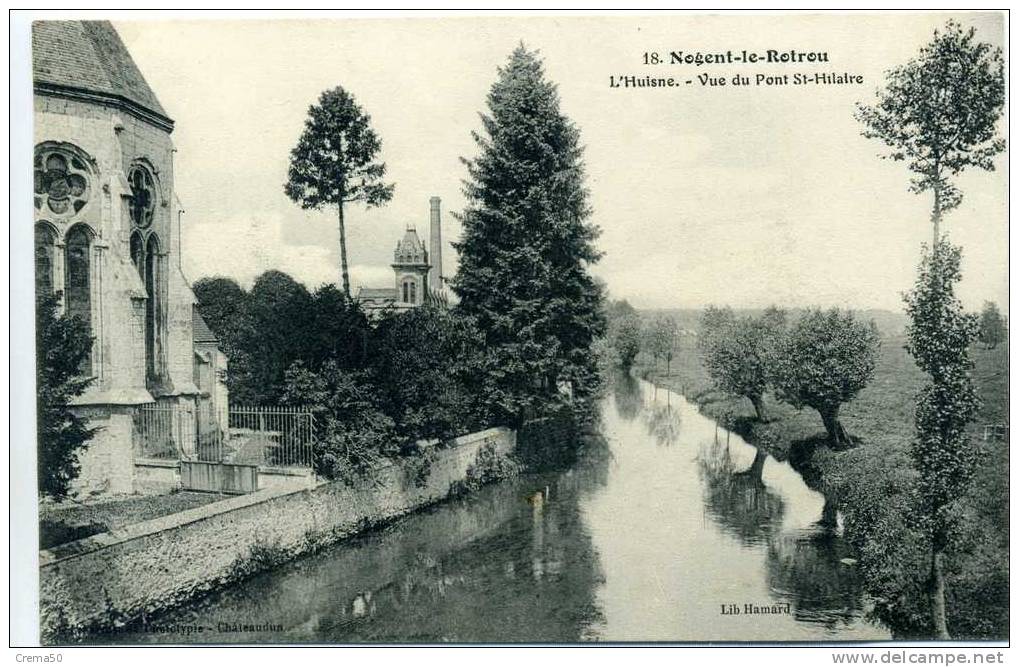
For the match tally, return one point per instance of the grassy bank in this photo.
(68, 521)
(872, 482)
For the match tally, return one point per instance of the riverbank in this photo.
(116, 579)
(650, 533)
(871, 482)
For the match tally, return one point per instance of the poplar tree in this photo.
(937, 113)
(527, 243)
(939, 336)
(661, 339)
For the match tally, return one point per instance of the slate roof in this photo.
(200, 331)
(410, 249)
(377, 293)
(89, 56)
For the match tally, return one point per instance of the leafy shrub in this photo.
(354, 436)
(262, 555)
(489, 466)
(63, 344)
(427, 364)
(278, 322)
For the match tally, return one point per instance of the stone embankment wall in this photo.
(117, 577)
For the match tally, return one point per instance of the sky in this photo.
(744, 196)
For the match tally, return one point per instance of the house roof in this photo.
(200, 331)
(376, 293)
(89, 57)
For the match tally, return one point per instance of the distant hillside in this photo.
(889, 323)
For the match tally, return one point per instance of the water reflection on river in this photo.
(646, 538)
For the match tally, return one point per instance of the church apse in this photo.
(106, 236)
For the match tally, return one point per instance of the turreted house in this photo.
(417, 270)
(108, 237)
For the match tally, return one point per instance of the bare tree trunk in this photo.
(757, 467)
(836, 432)
(936, 213)
(344, 276)
(758, 401)
(937, 591)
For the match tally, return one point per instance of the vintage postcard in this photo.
(677, 328)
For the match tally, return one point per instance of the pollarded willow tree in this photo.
(624, 332)
(938, 112)
(335, 163)
(738, 352)
(992, 325)
(528, 243)
(823, 362)
(625, 337)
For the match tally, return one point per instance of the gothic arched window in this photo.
(143, 196)
(138, 253)
(61, 181)
(78, 279)
(152, 324)
(409, 291)
(45, 253)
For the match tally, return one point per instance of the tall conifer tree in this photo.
(528, 243)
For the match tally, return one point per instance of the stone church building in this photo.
(108, 237)
(417, 271)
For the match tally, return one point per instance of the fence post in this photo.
(311, 440)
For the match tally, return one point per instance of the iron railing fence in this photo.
(163, 430)
(282, 436)
(211, 433)
(997, 432)
(277, 436)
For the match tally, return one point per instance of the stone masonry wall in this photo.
(116, 577)
(107, 465)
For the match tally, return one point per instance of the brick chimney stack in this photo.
(435, 277)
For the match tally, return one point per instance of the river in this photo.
(654, 536)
